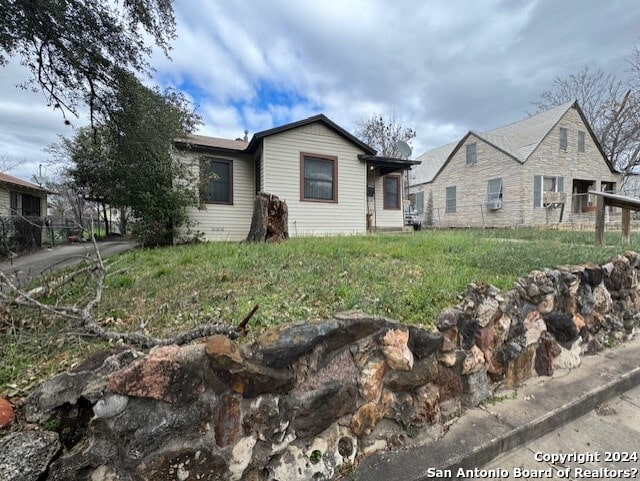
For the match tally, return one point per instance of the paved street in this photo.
(603, 444)
(31, 265)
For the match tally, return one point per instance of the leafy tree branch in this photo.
(75, 49)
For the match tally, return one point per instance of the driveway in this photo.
(28, 266)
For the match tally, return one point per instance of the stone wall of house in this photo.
(305, 401)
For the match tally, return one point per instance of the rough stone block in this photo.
(26, 455)
(475, 387)
(424, 371)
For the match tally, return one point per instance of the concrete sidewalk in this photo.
(542, 406)
(602, 444)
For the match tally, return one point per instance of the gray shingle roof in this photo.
(206, 141)
(518, 140)
(432, 161)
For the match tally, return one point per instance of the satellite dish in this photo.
(403, 148)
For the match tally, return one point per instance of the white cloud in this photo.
(27, 124)
(443, 67)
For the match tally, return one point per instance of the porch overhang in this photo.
(387, 165)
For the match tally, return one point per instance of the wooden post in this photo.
(626, 224)
(599, 220)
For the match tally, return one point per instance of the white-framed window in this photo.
(545, 183)
(472, 157)
(494, 194)
(564, 138)
(450, 200)
(581, 140)
(417, 202)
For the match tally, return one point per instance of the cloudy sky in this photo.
(442, 66)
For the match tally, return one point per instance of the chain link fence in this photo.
(19, 234)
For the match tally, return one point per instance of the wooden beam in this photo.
(599, 220)
(626, 226)
(621, 201)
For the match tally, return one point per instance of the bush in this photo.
(18, 234)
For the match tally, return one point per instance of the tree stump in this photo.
(270, 221)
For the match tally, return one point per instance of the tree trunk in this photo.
(106, 220)
(270, 221)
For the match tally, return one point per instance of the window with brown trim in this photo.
(391, 191)
(217, 181)
(318, 178)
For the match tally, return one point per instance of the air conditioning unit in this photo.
(494, 205)
(554, 198)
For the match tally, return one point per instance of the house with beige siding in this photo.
(333, 183)
(537, 171)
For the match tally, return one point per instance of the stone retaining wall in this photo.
(306, 400)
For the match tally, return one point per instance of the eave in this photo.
(387, 165)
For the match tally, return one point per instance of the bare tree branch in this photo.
(83, 318)
(383, 134)
(611, 106)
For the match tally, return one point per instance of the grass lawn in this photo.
(406, 277)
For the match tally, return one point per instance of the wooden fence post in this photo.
(626, 226)
(599, 220)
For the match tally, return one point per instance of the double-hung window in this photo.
(564, 138)
(319, 180)
(543, 184)
(581, 139)
(217, 181)
(472, 157)
(417, 202)
(391, 191)
(450, 200)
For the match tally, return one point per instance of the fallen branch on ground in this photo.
(84, 317)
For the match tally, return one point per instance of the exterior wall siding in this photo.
(281, 177)
(518, 180)
(5, 200)
(220, 222)
(43, 206)
(5, 203)
(381, 218)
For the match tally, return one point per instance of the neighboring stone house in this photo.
(333, 183)
(536, 171)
